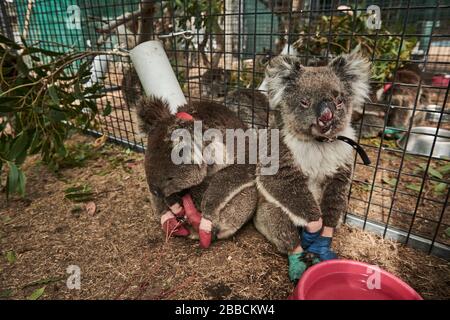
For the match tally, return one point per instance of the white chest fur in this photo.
(319, 160)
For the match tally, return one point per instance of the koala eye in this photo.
(339, 102)
(304, 103)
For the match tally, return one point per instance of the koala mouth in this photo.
(323, 127)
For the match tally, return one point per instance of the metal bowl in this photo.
(433, 114)
(421, 140)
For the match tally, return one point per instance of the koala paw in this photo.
(172, 226)
(199, 223)
(192, 214)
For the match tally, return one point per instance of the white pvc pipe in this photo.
(156, 74)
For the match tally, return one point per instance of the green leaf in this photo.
(13, 178)
(11, 256)
(431, 171)
(36, 294)
(390, 181)
(19, 147)
(8, 104)
(43, 281)
(4, 294)
(21, 183)
(81, 193)
(412, 186)
(9, 43)
(440, 187)
(57, 115)
(447, 232)
(107, 110)
(53, 94)
(445, 169)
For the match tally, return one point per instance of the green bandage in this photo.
(296, 266)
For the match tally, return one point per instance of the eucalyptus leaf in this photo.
(412, 186)
(107, 110)
(447, 232)
(36, 294)
(13, 178)
(53, 94)
(440, 187)
(390, 181)
(11, 256)
(19, 147)
(445, 169)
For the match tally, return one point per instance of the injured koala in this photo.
(314, 107)
(225, 194)
(395, 100)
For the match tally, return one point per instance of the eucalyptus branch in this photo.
(77, 56)
(111, 26)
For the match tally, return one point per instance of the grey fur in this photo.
(225, 194)
(313, 177)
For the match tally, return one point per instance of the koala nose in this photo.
(156, 191)
(325, 114)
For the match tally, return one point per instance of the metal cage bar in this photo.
(404, 194)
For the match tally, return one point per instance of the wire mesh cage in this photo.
(219, 50)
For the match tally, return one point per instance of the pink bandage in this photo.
(205, 233)
(192, 214)
(171, 225)
(166, 216)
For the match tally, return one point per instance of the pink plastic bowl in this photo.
(440, 81)
(351, 280)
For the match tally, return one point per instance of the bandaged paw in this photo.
(192, 214)
(322, 248)
(296, 266)
(308, 238)
(172, 226)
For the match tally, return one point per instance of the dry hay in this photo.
(123, 254)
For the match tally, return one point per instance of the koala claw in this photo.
(171, 225)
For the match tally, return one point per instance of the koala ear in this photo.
(281, 71)
(150, 112)
(354, 70)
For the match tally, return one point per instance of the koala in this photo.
(403, 93)
(251, 106)
(314, 106)
(403, 98)
(225, 193)
(131, 86)
(214, 81)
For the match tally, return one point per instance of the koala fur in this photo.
(402, 104)
(225, 194)
(313, 180)
(251, 106)
(403, 99)
(131, 86)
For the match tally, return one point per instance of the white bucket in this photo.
(156, 74)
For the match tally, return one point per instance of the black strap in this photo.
(362, 153)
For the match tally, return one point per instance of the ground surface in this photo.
(123, 254)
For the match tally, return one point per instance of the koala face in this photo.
(164, 177)
(317, 101)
